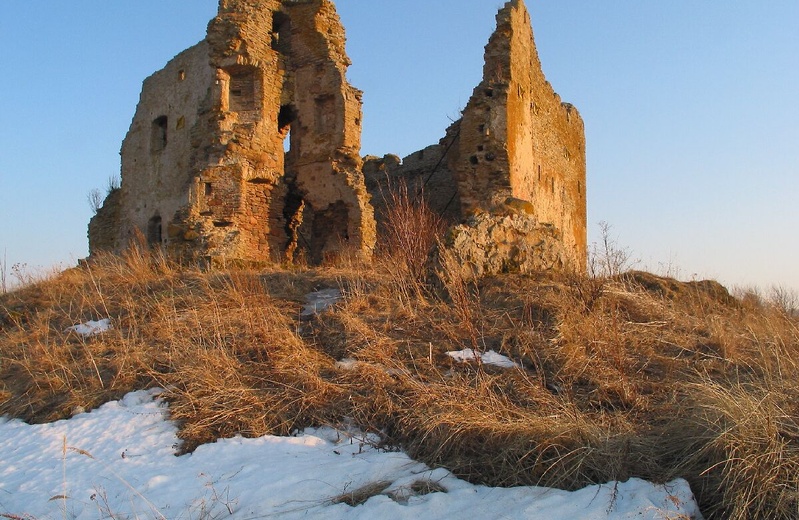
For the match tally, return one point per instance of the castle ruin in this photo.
(246, 147)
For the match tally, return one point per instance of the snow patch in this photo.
(487, 358)
(120, 463)
(347, 364)
(91, 328)
(320, 301)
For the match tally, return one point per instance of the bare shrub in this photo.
(608, 258)
(4, 274)
(784, 299)
(113, 183)
(95, 200)
(95, 197)
(411, 231)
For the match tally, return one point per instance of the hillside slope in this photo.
(613, 377)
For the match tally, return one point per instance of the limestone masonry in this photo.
(206, 174)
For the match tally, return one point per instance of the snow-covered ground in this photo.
(119, 462)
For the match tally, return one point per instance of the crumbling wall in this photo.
(516, 138)
(206, 174)
(325, 162)
(159, 148)
(516, 146)
(204, 170)
(104, 225)
(425, 175)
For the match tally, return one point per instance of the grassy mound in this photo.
(625, 376)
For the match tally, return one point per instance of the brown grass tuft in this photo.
(360, 495)
(410, 231)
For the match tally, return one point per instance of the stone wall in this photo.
(516, 138)
(516, 142)
(425, 174)
(205, 173)
(158, 151)
(246, 147)
(104, 225)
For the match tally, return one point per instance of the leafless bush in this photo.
(4, 274)
(785, 299)
(113, 184)
(95, 200)
(608, 258)
(411, 231)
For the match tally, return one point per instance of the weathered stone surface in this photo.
(489, 244)
(517, 150)
(517, 139)
(205, 176)
(204, 173)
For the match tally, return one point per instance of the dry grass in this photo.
(360, 495)
(625, 376)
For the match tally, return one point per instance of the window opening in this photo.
(154, 231)
(159, 134)
(286, 116)
(281, 33)
(241, 96)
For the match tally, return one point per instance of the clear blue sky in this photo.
(691, 111)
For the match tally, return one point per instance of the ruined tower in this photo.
(518, 140)
(512, 170)
(246, 146)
